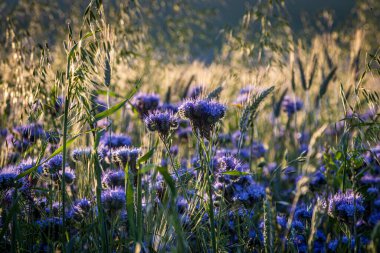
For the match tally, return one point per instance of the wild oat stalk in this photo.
(250, 112)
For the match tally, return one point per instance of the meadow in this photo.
(115, 140)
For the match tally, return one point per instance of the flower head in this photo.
(8, 176)
(81, 154)
(116, 141)
(31, 132)
(145, 103)
(113, 200)
(114, 178)
(124, 155)
(53, 165)
(290, 106)
(343, 206)
(161, 122)
(202, 114)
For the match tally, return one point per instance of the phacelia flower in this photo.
(113, 200)
(69, 176)
(31, 132)
(202, 114)
(343, 206)
(53, 165)
(80, 210)
(126, 155)
(8, 176)
(161, 122)
(116, 141)
(81, 154)
(195, 92)
(114, 178)
(290, 105)
(145, 103)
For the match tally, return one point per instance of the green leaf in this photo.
(116, 107)
(56, 152)
(168, 179)
(235, 173)
(148, 155)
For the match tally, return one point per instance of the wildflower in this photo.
(145, 103)
(113, 200)
(80, 210)
(8, 177)
(126, 155)
(162, 122)
(31, 132)
(69, 176)
(53, 165)
(333, 245)
(52, 137)
(202, 114)
(181, 205)
(116, 141)
(51, 226)
(290, 106)
(114, 178)
(169, 108)
(317, 180)
(343, 206)
(195, 92)
(81, 154)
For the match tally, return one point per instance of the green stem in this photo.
(98, 175)
(64, 151)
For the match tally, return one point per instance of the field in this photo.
(119, 132)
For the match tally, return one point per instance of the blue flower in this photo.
(202, 114)
(81, 154)
(69, 176)
(162, 122)
(343, 206)
(115, 141)
(145, 103)
(8, 177)
(126, 155)
(333, 245)
(113, 200)
(53, 165)
(31, 132)
(290, 106)
(114, 178)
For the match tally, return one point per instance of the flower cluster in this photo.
(145, 103)
(162, 122)
(202, 114)
(344, 206)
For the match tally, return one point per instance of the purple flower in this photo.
(31, 132)
(343, 206)
(195, 92)
(80, 210)
(317, 180)
(145, 103)
(114, 178)
(126, 155)
(290, 106)
(116, 141)
(8, 177)
(202, 114)
(162, 122)
(69, 176)
(53, 165)
(81, 154)
(113, 200)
